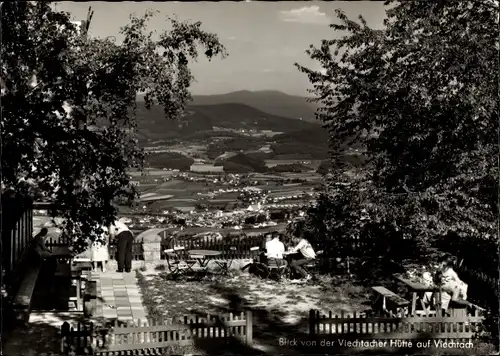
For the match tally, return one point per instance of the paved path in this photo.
(118, 298)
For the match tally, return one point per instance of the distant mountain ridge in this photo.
(152, 124)
(269, 101)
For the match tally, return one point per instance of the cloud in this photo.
(305, 15)
(268, 70)
(231, 38)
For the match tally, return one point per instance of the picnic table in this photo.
(203, 257)
(418, 291)
(69, 269)
(288, 254)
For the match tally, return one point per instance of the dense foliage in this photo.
(68, 101)
(169, 160)
(293, 167)
(421, 96)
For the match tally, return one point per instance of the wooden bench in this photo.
(24, 295)
(82, 265)
(389, 302)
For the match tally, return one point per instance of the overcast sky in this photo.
(263, 39)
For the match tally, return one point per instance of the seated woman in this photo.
(450, 281)
(304, 255)
(452, 288)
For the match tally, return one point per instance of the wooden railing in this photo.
(231, 248)
(363, 326)
(137, 253)
(17, 231)
(152, 337)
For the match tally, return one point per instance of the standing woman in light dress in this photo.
(99, 250)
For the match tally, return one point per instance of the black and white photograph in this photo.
(250, 178)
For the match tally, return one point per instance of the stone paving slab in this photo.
(119, 296)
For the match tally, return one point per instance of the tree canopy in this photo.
(68, 105)
(421, 96)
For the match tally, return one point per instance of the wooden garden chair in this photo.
(176, 265)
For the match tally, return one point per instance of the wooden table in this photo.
(202, 256)
(418, 291)
(288, 254)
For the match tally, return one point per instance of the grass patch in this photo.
(171, 298)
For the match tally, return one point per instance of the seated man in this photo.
(45, 254)
(39, 244)
(304, 255)
(274, 250)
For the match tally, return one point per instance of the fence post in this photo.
(151, 247)
(249, 326)
(65, 330)
(312, 322)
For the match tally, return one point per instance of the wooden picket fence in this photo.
(232, 247)
(137, 252)
(153, 336)
(363, 326)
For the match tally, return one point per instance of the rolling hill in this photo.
(153, 126)
(269, 101)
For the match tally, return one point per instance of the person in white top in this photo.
(451, 283)
(305, 253)
(124, 239)
(99, 250)
(274, 250)
(274, 247)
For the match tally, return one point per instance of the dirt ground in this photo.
(280, 309)
(175, 298)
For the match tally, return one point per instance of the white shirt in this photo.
(450, 276)
(305, 248)
(275, 248)
(117, 227)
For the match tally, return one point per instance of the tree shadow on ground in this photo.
(272, 335)
(50, 309)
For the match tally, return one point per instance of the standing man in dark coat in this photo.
(124, 240)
